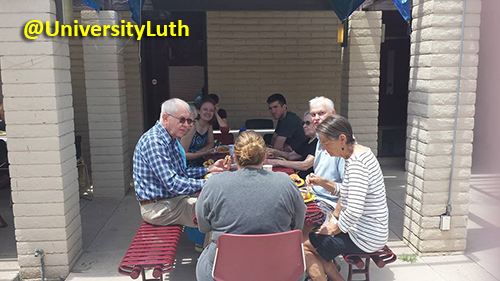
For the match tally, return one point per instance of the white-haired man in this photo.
(326, 166)
(163, 182)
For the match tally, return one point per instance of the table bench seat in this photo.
(380, 258)
(152, 247)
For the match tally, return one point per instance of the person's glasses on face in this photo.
(182, 120)
(306, 123)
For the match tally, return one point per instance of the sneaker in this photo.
(198, 248)
(336, 265)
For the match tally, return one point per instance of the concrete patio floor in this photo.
(110, 223)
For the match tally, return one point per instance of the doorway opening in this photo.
(172, 67)
(393, 91)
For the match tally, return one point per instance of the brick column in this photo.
(38, 103)
(133, 88)
(107, 107)
(361, 76)
(435, 48)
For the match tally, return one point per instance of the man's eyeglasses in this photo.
(182, 120)
(307, 123)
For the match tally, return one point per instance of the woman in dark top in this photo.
(220, 116)
(199, 141)
(302, 158)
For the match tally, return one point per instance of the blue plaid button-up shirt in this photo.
(159, 170)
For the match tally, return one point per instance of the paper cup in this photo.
(268, 167)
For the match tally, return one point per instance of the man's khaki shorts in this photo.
(176, 210)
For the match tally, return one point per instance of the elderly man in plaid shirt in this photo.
(164, 185)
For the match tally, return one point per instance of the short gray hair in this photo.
(171, 106)
(335, 125)
(323, 101)
(306, 113)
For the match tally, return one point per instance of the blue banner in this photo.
(344, 8)
(93, 3)
(135, 8)
(404, 8)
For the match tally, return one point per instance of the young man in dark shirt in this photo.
(289, 134)
(302, 158)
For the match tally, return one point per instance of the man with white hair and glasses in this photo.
(325, 166)
(164, 185)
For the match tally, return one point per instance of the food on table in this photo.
(298, 181)
(222, 149)
(227, 160)
(306, 195)
(269, 154)
(208, 162)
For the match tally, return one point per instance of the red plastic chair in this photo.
(273, 257)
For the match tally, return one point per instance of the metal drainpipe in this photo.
(455, 125)
(39, 252)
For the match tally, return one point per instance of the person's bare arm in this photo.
(296, 165)
(221, 121)
(312, 179)
(287, 155)
(273, 139)
(279, 142)
(188, 138)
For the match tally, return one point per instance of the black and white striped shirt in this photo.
(364, 215)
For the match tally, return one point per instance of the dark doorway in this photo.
(159, 54)
(393, 94)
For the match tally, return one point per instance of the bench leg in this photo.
(365, 271)
(159, 278)
(349, 277)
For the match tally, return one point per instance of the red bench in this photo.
(152, 247)
(380, 258)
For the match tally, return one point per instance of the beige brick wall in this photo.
(434, 61)
(133, 87)
(107, 107)
(186, 81)
(38, 99)
(252, 55)
(361, 76)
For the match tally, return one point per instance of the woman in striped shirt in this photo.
(363, 221)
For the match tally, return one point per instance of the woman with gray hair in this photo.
(363, 221)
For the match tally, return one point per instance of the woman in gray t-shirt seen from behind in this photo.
(247, 201)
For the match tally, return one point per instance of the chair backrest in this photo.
(259, 124)
(276, 257)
